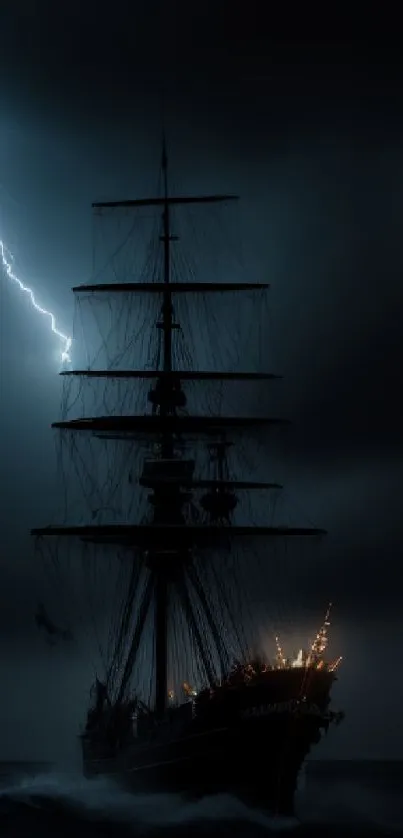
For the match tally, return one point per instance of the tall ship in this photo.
(191, 693)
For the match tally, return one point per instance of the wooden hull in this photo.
(254, 753)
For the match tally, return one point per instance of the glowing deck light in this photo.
(188, 690)
(7, 262)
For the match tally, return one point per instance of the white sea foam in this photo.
(338, 803)
(103, 798)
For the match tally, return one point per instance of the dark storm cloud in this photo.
(111, 53)
(349, 406)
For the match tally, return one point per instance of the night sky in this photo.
(308, 131)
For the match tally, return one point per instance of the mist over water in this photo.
(353, 805)
(67, 804)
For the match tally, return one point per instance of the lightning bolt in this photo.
(7, 262)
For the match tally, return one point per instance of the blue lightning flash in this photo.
(7, 262)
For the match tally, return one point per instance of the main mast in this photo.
(167, 450)
(167, 306)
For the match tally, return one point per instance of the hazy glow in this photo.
(7, 261)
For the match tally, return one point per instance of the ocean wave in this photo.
(55, 797)
(70, 805)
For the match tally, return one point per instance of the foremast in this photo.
(167, 541)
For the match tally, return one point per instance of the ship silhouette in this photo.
(184, 703)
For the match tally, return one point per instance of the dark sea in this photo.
(340, 799)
